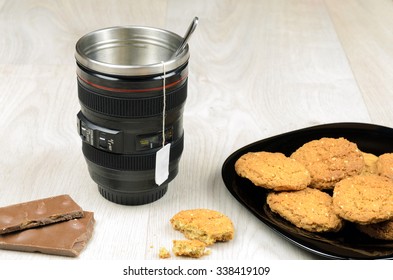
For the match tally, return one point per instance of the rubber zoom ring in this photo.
(131, 107)
(133, 162)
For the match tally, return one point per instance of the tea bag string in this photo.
(163, 154)
(163, 102)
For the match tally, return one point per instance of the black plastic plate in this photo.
(349, 243)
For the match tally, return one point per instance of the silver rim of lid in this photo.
(130, 51)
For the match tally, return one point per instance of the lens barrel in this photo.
(120, 78)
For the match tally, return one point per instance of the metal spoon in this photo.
(186, 37)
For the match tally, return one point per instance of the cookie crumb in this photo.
(164, 253)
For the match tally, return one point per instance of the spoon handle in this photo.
(187, 36)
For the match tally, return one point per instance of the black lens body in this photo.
(121, 126)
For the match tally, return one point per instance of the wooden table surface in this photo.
(258, 68)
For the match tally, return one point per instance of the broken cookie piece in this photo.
(38, 213)
(67, 238)
(205, 225)
(189, 248)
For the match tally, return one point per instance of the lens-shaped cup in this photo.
(121, 73)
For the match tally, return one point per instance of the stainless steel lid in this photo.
(130, 51)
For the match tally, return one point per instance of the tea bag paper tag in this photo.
(162, 164)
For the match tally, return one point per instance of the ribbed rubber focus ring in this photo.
(129, 107)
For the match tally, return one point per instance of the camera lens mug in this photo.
(121, 78)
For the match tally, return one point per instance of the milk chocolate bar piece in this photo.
(67, 238)
(37, 213)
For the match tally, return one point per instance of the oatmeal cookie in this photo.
(385, 165)
(364, 199)
(370, 163)
(329, 160)
(383, 230)
(273, 171)
(208, 226)
(309, 209)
